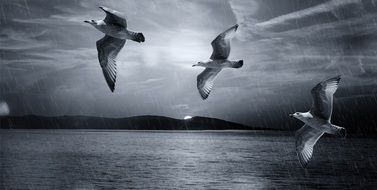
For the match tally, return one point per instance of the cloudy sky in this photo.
(49, 60)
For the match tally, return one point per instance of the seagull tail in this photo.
(341, 132)
(237, 64)
(140, 37)
(137, 36)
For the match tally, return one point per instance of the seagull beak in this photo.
(193, 65)
(290, 115)
(87, 21)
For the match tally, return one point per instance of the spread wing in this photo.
(221, 44)
(322, 95)
(108, 49)
(205, 81)
(114, 17)
(306, 138)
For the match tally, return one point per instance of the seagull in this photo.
(114, 26)
(317, 120)
(219, 60)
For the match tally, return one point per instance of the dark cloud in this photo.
(49, 61)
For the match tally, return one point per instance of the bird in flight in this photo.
(317, 120)
(219, 60)
(114, 26)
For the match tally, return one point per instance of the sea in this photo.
(109, 159)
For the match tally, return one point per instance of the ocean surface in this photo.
(68, 159)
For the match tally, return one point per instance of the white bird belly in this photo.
(321, 125)
(115, 31)
(217, 64)
(121, 35)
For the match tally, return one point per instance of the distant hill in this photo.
(130, 123)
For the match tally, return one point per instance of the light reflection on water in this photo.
(47, 159)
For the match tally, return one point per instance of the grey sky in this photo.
(49, 60)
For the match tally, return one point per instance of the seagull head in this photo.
(199, 64)
(92, 22)
(301, 116)
(297, 115)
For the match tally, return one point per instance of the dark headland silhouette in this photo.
(148, 122)
(129, 123)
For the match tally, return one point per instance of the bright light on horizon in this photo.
(187, 117)
(4, 109)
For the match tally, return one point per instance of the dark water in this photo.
(66, 159)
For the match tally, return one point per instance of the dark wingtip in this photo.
(337, 78)
(203, 95)
(112, 87)
(302, 162)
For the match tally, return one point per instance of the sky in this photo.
(49, 62)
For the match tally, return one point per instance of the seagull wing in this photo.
(205, 81)
(108, 49)
(221, 44)
(322, 95)
(114, 17)
(306, 137)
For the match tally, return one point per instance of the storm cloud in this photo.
(49, 60)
